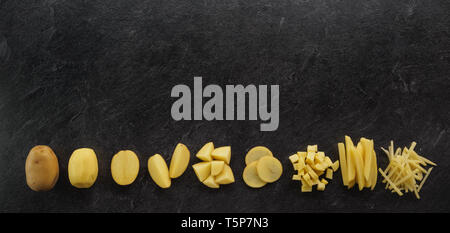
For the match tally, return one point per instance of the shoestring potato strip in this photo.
(405, 170)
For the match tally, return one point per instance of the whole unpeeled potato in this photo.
(41, 168)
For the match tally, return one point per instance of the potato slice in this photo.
(124, 167)
(222, 153)
(216, 167)
(210, 182)
(179, 161)
(205, 152)
(226, 176)
(159, 171)
(256, 153)
(251, 177)
(269, 169)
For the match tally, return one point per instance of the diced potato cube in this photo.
(306, 188)
(307, 179)
(320, 186)
(294, 158)
(312, 148)
(301, 155)
(328, 161)
(300, 165)
(324, 181)
(310, 157)
(335, 165)
(320, 155)
(319, 167)
(311, 173)
(329, 174)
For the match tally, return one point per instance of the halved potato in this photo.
(256, 153)
(269, 169)
(251, 177)
(179, 161)
(159, 171)
(124, 167)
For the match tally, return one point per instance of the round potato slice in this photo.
(256, 153)
(251, 177)
(269, 169)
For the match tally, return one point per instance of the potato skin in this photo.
(41, 168)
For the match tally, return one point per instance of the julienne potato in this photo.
(124, 167)
(310, 165)
(262, 167)
(161, 174)
(215, 169)
(83, 168)
(41, 168)
(405, 170)
(358, 163)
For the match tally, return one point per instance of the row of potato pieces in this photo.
(42, 169)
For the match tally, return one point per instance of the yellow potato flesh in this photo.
(159, 171)
(202, 170)
(83, 168)
(256, 153)
(216, 167)
(222, 153)
(205, 152)
(124, 167)
(179, 161)
(226, 176)
(41, 168)
(251, 177)
(269, 169)
(210, 182)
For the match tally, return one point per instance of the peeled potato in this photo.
(226, 176)
(124, 167)
(216, 167)
(41, 168)
(179, 161)
(210, 182)
(222, 153)
(251, 177)
(202, 170)
(83, 168)
(269, 169)
(159, 171)
(205, 152)
(256, 153)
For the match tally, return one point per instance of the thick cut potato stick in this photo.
(343, 163)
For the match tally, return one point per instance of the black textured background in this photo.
(99, 73)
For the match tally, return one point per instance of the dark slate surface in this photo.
(95, 74)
